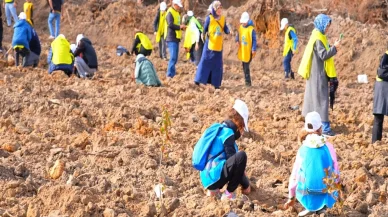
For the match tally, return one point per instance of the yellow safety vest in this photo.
(288, 43)
(28, 7)
(216, 27)
(177, 21)
(188, 38)
(162, 23)
(9, 1)
(61, 51)
(144, 40)
(377, 77)
(305, 65)
(245, 40)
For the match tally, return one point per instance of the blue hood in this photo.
(250, 23)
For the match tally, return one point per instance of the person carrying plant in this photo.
(217, 157)
(141, 44)
(314, 180)
(159, 25)
(317, 67)
(246, 42)
(380, 98)
(290, 46)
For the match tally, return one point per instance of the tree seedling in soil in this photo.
(333, 187)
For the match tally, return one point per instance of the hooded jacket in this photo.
(89, 55)
(22, 34)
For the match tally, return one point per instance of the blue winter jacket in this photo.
(22, 34)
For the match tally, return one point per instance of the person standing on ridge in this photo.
(10, 10)
(28, 9)
(159, 26)
(290, 46)
(56, 7)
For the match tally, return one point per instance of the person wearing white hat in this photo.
(60, 57)
(246, 42)
(22, 35)
(227, 166)
(159, 26)
(10, 10)
(315, 162)
(86, 63)
(173, 35)
(290, 46)
(210, 68)
(193, 42)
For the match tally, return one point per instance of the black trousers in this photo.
(377, 132)
(143, 51)
(247, 73)
(20, 52)
(233, 173)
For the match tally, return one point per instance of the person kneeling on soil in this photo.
(316, 161)
(60, 56)
(145, 72)
(85, 58)
(141, 44)
(32, 58)
(21, 38)
(217, 157)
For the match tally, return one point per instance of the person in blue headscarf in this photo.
(210, 68)
(317, 67)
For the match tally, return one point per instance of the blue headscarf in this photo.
(321, 22)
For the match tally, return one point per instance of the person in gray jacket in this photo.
(85, 58)
(145, 72)
(316, 97)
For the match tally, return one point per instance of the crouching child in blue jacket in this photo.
(217, 157)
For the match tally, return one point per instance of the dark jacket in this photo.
(156, 21)
(35, 43)
(57, 5)
(89, 55)
(171, 28)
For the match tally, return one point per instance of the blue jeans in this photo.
(173, 49)
(326, 127)
(57, 17)
(287, 63)
(10, 10)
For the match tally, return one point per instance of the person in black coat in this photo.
(86, 62)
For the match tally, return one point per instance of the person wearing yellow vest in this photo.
(159, 26)
(317, 66)
(141, 44)
(60, 57)
(210, 68)
(28, 9)
(173, 34)
(290, 45)
(380, 98)
(10, 10)
(246, 42)
(193, 43)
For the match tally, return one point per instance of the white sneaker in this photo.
(51, 37)
(305, 213)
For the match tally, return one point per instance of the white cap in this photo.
(242, 109)
(190, 13)
(22, 16)
(163, 6)
(283, 23)
(177, 2)
(61, 36)
(314, 119)
(79, 37)
(244, 17)
(210, 7)
(73, 47)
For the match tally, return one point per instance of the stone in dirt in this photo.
(109, 212)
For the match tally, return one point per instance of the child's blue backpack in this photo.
(202, 148)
